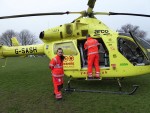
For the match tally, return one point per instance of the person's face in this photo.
(59, 52)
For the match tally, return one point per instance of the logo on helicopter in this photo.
(98, 32)
(68, 58)
(68, 62)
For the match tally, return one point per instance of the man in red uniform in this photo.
(93, 56)
(56, 65)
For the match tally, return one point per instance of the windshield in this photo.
(144, 45)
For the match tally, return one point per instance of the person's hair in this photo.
(61, 57)
(59, 49)
(88, 35)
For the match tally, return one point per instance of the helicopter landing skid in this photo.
(135, 87)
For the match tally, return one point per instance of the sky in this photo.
(38, 24)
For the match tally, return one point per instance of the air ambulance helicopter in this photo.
(118, 58)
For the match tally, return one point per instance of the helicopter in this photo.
(117, 58)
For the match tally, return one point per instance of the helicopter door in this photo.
(103, 52)
(71, 54)
(143, 45)
(82, 55)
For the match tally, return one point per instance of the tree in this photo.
(6, 37)
(134, 29)
(27, 38)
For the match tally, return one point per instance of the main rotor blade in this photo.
(91, 4)
(36, 14)
(41, 14)
(113, 13)
(130, 14)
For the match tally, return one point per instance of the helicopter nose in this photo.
(41, 35)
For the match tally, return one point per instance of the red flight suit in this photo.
(56, 65)
(93, 56)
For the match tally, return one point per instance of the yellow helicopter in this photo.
(118, 58)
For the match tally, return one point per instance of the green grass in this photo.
(26, 87)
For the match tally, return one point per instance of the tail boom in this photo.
(6, 51)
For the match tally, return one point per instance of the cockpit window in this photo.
(130, 50)
(144, 45)
(68, 48)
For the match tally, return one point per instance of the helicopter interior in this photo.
(103, 52)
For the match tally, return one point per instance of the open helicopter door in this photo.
(103, 52)
(143, 45)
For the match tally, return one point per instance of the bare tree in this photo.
(134, 29)
(27, 38)
(6, 37)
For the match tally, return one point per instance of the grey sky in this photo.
(38, 24)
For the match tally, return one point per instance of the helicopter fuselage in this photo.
(71, 37)
(117, 59)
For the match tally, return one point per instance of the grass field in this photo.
(26, 87)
